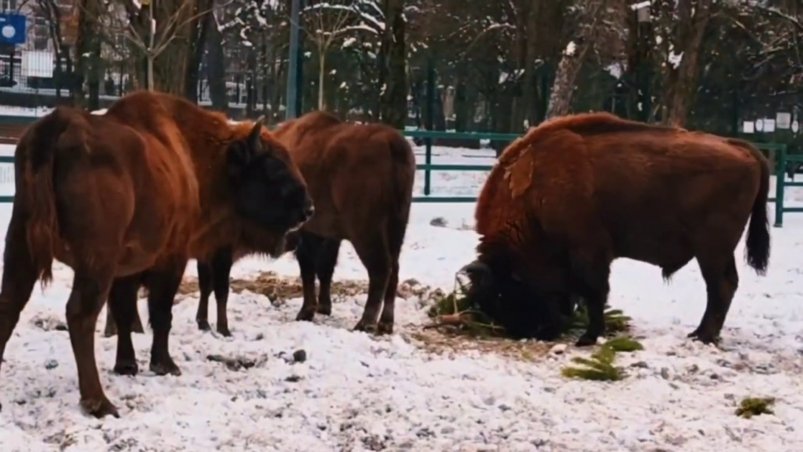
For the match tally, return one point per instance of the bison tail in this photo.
(38, 174)
(403, 161)
(758, 234)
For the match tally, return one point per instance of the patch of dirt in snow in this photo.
(278, 289)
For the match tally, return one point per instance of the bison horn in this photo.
(475, 269)
(253, 137)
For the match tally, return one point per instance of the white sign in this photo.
(748, 127)
(37, 63)
(759, 125)
(795, 126)
(769, 125)
(783, 120)
(7, 171)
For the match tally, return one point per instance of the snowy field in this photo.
(357, 392)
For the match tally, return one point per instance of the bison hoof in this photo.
(126, 368)
(224, 331)
(548, 334)
(704, 337)
(324, 309)
(305, 315)
(384, 328)
(586, 340)
(203, 325)
(99, 407)
(165, 367)
(364, 326)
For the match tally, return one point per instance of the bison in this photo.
(361, 179)
(124, 199)
(579, 191)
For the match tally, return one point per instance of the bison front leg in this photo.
(111, 326)
(325, 268)
(221, 270)
(123, 308)
(205, 283)
(162, 287)
(592, 281)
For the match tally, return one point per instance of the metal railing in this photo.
(782, 158)
(428, 167)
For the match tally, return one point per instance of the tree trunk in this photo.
(94, 74)
(393, 106)
(167, 70)
(199, 27)
(216, 68)
(462, 114)
(560, 99)
(87, 32)
(682, 79)
(321, 77)
(149, 78)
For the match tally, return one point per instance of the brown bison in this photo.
(360, 177)
(578, 192)
(124, 199)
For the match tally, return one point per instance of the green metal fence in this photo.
(781, 159)
(429, 167)
(9, 160)
(778, 151)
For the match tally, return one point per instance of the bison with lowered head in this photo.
(579, 191)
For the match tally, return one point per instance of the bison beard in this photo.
(522, 311)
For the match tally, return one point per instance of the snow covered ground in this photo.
(358, 392)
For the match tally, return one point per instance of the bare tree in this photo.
(150, 28)
(326, 23)
(393, 76)
(682, 69)
(560, 99)
(51, 11)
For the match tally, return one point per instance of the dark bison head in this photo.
(515, 303)
(266, 185)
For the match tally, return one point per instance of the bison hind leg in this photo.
(19, 277)
(721, 280)
(375, 256)
(205, 276)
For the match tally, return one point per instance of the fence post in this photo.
(430, 119)
(780, 184)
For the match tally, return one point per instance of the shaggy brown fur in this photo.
(579, 191)
(360, 177)
(124, 199)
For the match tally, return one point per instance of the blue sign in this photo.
(12, 29)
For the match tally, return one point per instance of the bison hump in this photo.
(519, 173)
